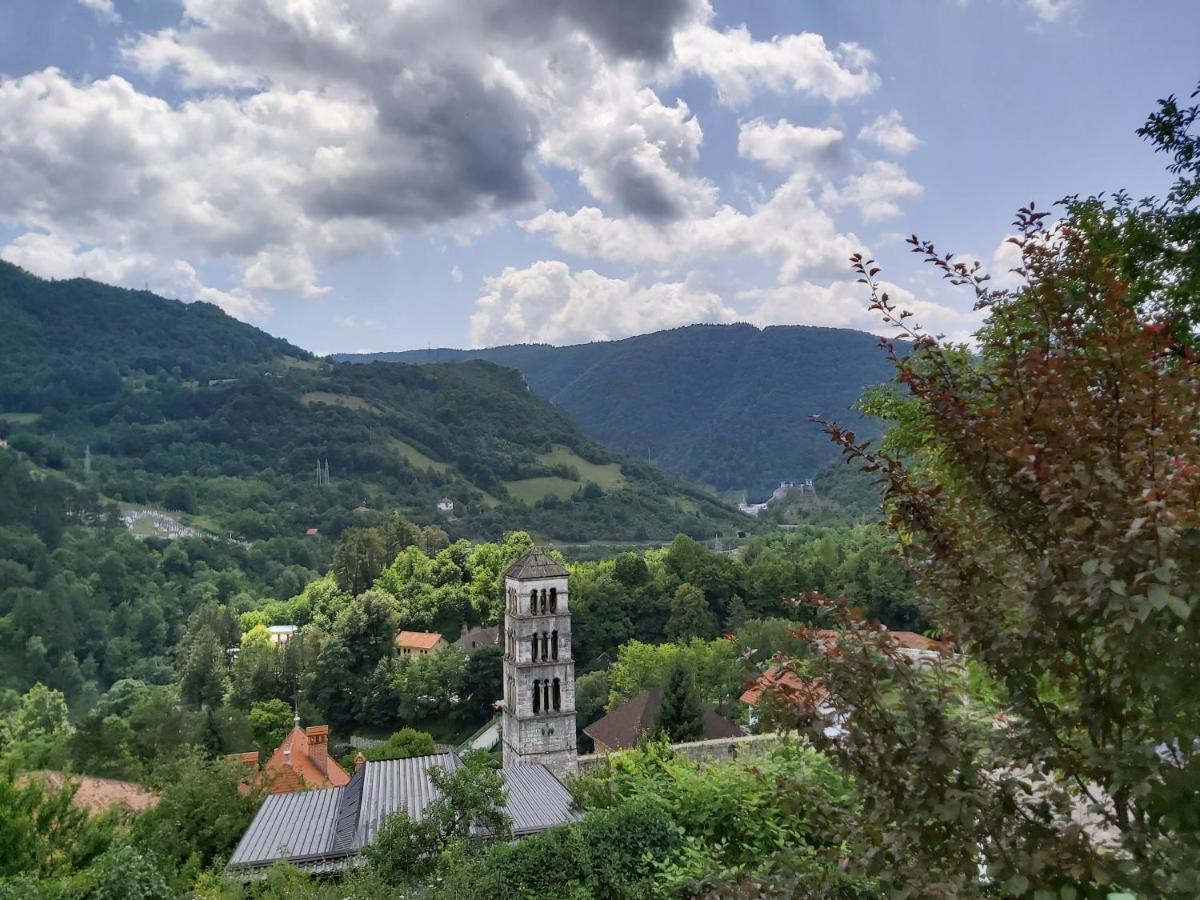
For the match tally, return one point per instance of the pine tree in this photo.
(681, 716)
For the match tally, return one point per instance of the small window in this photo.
(554, 645)
(537, 697)
(553, 599)
(557, 696)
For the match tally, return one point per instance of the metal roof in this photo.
(289, 825)
(326, 828)
(536, 563)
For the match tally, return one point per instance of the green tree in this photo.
(270, 721)
(43, 832)
(681, 716)
(691, 616)
(1053, 522)
(403, 744)
(358, 559)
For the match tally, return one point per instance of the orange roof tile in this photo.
(786, 685)
(418, 640)
(290, 766)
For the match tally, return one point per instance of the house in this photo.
(916, 647)
(326, 830)
(634, 720)
(302, 761)
(445, 505)
(281, 634)
(312, 532)
(788, 690)
(419, 642)
(474, 638)
(3, 441)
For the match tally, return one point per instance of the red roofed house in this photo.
(786, 688)
(303, 761)
(419, 642)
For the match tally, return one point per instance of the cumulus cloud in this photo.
(53, 257)
(789, 228)
(874, 192)
(740, 66)
(104, 9)
(548, 303)
(888, 132)
(782, 145)
(844, 304)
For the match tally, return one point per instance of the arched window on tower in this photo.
(546, 694)
(557, 698)
(545, 646)
(545, 602)
(533, 647)
(553, 599)
(554, 645)
(537, 696)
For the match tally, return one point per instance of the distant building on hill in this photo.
(635, 719)
(281, 634)
(312, 532)
(445, 505)
(474, 638)
(419, 642)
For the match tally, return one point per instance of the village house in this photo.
(445, 505)
(634, 720)
(281, 634)
(474, 638)
(300, 762)
(419, 643)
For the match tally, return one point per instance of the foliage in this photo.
(402, 744)
(470, 799)
(691, 616)
(681, 716)
(1053, 523)
(717, 671)
(271, 721)
(713, 424)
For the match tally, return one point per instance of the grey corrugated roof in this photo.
(289, 825)
(536, 563)
(322, 830)
(393, 785)
(536, 800)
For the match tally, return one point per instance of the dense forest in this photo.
(160, 403)
(722, 405)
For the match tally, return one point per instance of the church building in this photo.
(538, 710)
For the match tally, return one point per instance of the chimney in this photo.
(318, 748)
(359, 760)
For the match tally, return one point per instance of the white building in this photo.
(281, 634)
(446, 505)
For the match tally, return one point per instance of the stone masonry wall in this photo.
(747, 746)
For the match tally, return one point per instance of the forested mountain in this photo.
(179, 405)
(723, 405)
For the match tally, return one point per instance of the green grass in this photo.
(607, 475)
(531, 490)
(415, 457)
(347, 400)
(20, 418)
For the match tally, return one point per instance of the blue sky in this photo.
(373, 176)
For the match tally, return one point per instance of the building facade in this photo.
(538, 709)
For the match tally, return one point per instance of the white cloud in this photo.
(104, 9)
(844, 304)
(782, 145)
(548, 303)
(50, 256)
(740, 66)
(788, 228)
(283, 269)
(1053, 10)
(888, 132)
(875, 192)
(456, 275)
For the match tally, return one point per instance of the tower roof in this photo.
(536, 563)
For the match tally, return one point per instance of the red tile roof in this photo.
(418, 640)
(303, 760)
(787, 686)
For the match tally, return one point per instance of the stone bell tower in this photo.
(538, 719)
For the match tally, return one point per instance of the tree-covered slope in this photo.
(185, 407)
(724, 405)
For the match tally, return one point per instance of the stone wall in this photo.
(747, 746)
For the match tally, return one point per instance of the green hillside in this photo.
(723, 405)
(188, 409)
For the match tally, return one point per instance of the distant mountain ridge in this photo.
(180, 405)
(724, 405)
